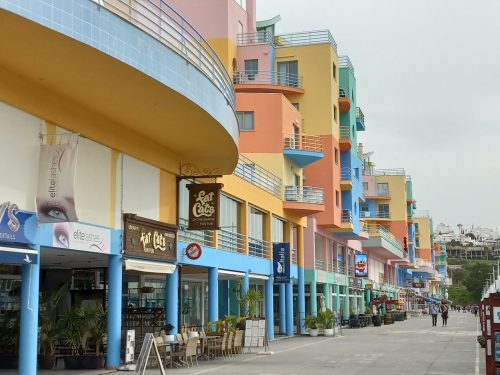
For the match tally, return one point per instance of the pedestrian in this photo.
(444, 314)
(434, 313)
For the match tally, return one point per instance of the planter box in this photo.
(76, 362)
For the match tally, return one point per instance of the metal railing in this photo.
(363, 226)
(421, 214)
(319, 264)
(360, 115)
(267, 78)
(162, 22)
(423, 263)
(303, 142)
(231, 241)
(346, 174)
(376, 215)
(375, 230)
(259, 248)
(305, 38)
(304, 194)
(203, 237)
(340, 268)
(255, 174)
(350, 270)
(346, 216)
(345, 132)
(294, 256)
(389, 172)
(345, 62)
(257, 37)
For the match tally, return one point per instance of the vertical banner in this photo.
(281, 262)
(204, 206)
(361, 265)
(55, 198)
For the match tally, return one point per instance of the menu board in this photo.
(255, 333)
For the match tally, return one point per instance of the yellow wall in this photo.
(226, 50)
(397, 190)
(424, 232)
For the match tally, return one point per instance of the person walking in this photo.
(444, 314)
(434, 313)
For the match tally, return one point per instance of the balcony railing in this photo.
(305, 38)
(360, 114)
(304, 194)
(268, 78)
(259, 248)
(162, 22)
(375, 215)
(231, 241)
(380, 231)
(340, 268)
(345, 132)
(421, 214)
(345, 62)
(346, 216)
(363, 226)
(346, 174)
(319, 264)
(203, 237)
(350, 270)
(258, 37)
(424, 263)
(389, 172)
(255, 174)
(303, 142)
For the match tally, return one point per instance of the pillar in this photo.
(225, 297)
(270, 308)
(362, 305)
(213, 294)
(289, 308)
(28, 330)
(355, 301)
(282, 311)
(245, 284)
(314, 299)
(114, 323)
(336, 303)
(301, 299)
(346, 303)
(172, 307)
(327, 292)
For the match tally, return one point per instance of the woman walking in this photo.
(444, 314)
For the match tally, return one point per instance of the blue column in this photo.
(115, 276)
(172, 308)
(282, 310)
(213, 294)
(245, 285)
(29, 319)
(301, 299)
(269, 308)
(225, 297)
(289, 308)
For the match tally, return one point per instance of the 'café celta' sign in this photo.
(204, 206)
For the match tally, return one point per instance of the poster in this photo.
(361, 265)
(281, 262)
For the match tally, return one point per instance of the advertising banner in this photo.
(16, 226)
(281, 262)
(204, 206)
(82, 237)
(55, 198)
(361, 265)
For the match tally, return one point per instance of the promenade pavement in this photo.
(412, 347)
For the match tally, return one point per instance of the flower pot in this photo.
(76, 362)
(46, 361)
(313, 332)
(328, 331)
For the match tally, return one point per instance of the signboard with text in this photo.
(82, 237)
(204, 206)
(16, 226)
(281, 262)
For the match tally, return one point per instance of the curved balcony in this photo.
(304, 200)
(303, 149)
(273, 82)
(132, 75)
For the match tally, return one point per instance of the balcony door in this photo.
(251, 69)
(288, 73)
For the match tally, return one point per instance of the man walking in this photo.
(434, 314)
(444, 313)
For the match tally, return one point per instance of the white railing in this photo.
(203, 237)
(259, 248)
(162, 22)
(375, 215)
(421, 214)
(345, 62)
(346, 216)
(350, 270)
(305, 38)
(424, 263)
(257, 37)
(231, 241)
(319, 264)
(375, 230)
(340, 268)
(389, 172)
(267, 78)
(303, 142)
(304, 194)
(345, 132)
(255, 174)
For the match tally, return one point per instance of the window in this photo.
(416, 227)
(251, 69)
(417, 244)
(256, 231)
(383, 189)
(229, 223)
(365, 186)
(288, 73)
(296, 105)
(334, 71)
(364, 207)
(278, 234)
(335, 113)
(245, 120)
(336, 154)
(337, 198)
(383, 211)
(356, 173)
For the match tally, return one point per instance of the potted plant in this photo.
(326, 321)
(84, 328)
(218, 324)
(249, 303)
(312, 323)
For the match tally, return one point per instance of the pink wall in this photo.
(260, 52)
(371, 185)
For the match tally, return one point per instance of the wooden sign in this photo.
(204, 206)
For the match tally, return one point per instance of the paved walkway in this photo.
(412, 347)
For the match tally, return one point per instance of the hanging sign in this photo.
(204, 206)
(281, 262)
(16, 226)
(147, 238)
(361, 265)
(193, 251)
(55, 198)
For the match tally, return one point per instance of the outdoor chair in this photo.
(186, 353)
(216, 346)
(179, 338)
(238, 342)
(229, 343)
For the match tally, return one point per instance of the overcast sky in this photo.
(428, 82)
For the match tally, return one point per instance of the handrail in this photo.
(259, 248)
(375, 230)
(345, 132)
(389, 172)
(345, 62)
(231, 241)
(257, 37)
(363, 226)
(303, 142)
(346, 216)
(255, 174)
(161, 21)
(346, 174)
(319, 264)
(267, 78)
(376, 215)
(305, 194)
(203, 237)
(304, 38)
(294, 255)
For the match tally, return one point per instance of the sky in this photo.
(428, 82)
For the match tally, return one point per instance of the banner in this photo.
(281, 262)
(204, 206)
(361, 265)
(55, 198)
(83, 237)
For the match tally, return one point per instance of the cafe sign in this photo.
(204, 206)
(149, 238)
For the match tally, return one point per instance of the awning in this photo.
(230, 275)
(16, 255)
(257, 276)
(147, 266)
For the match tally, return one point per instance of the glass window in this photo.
(246, 120)
(383, 189)
(334, 71)
(356, 173)
(229, 238)
(416, 227)
(365, 186)
(383, 210)
(251, 68)
(336, 154)
(297, 106)
(256, 231)
(278, 230)
(337, 198)
(288, 73)
(335, 114)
